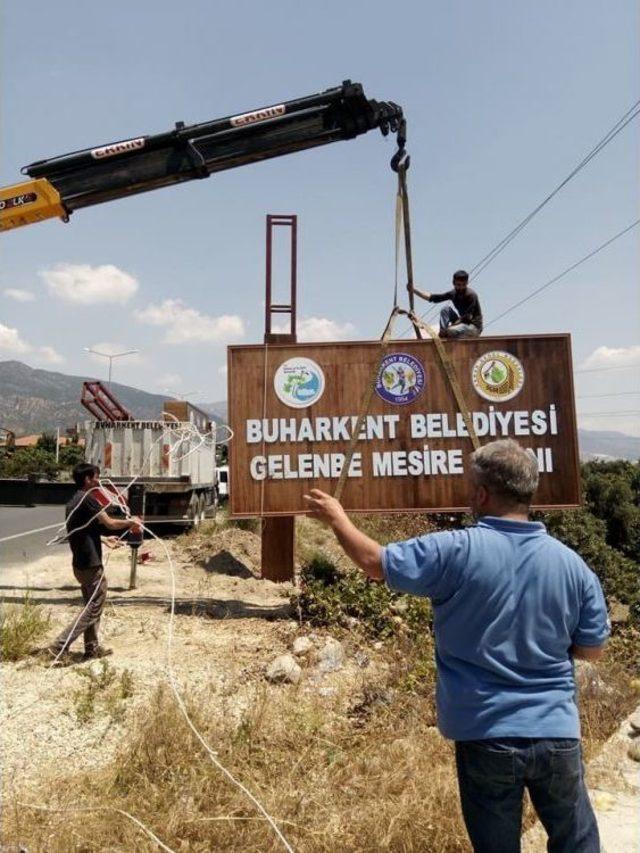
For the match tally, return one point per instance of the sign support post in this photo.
(278, 533)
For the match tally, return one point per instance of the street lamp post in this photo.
(111, 357)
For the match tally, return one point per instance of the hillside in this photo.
(610, 445)
(37, 400)
(33, 400)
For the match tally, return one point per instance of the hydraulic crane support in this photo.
(102, 404)
(95, 175)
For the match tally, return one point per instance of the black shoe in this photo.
(97, 652)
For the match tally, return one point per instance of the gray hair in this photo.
(507, 470)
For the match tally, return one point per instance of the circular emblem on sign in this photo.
(497, 376)
(400, 379)
(299, 382)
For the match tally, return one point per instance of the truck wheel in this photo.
(212, 509)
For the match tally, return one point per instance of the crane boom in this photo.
(61, 185)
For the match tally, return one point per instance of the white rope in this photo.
(124, 813)
(30, 532)
(172, 682)
(228, 438)
(171, 678)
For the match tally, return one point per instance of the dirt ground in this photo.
(229, 626)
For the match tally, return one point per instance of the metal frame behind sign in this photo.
(278, 532)
(281, 221)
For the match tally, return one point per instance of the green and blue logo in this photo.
(299, 382)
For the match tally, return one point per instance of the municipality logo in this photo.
(497, 376)
(299, 382)
(400, 379)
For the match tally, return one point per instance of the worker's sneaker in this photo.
(97, 652)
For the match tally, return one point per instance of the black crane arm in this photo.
(63, 184)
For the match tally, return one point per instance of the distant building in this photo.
(32, 440)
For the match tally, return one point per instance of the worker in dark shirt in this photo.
(87, 521)
(464, 320)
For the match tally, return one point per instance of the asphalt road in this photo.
(24, 549)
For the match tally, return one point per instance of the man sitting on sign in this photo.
(464, 320)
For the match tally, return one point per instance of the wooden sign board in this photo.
(293, 409)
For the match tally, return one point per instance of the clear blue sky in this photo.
(502, 100)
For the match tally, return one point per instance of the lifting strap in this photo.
(417, 323)
(366, 402)
(403, 223)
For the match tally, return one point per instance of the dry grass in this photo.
(381, 779)
(374, 775)
(602, 710)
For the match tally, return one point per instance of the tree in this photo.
(48, 442)
(612, 494)
(586, 534)
(71, 455)
(30, 460)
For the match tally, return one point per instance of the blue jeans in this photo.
(492, 776)
(449, 315)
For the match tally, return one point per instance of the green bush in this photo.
(40, 459)
(71, 455)
(21, 627)
(332, 597)
(612, 494)
(103, 692)
(586, 534)
(29, 460)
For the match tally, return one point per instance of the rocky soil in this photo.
(230, 627)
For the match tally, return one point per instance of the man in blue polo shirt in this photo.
(512, 608)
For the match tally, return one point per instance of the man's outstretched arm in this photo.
(364, 551)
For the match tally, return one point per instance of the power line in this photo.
(612, 367)
(618, 394)
(607, 414)
(564, 272)
(622, 122)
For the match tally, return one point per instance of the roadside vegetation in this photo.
(40, 459)
(104, 691)
(361, 770)
(22, 627)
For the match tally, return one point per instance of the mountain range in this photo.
(34, 401)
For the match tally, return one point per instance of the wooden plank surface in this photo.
(546, 390)
(278, 548)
